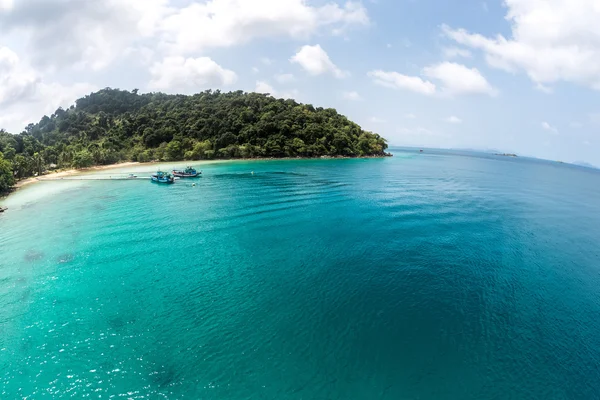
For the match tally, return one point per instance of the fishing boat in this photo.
(162, 177)
(188, 172)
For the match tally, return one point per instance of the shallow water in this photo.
(423, 276)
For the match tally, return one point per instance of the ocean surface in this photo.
(423, 276)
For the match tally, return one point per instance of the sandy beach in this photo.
(72, 172)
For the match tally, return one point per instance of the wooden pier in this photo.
(95, 178)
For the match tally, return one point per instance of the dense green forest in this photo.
(114, 125)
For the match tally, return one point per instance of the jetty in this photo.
(118, 177)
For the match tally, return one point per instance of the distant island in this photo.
(505, 154)
(112, 125)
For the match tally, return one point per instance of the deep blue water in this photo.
(422, 276)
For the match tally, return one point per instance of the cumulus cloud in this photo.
(93, 34)
(264, 87)
(224, 23)
(284, 78)
(64, 38)
(18, 81)
(543, 88)
(25, 95)
(6, 4)
(551, 41)
(456, 52)
(182, 75)
(352, 95)
(316, 61)
(454, 79)
(44, 100)
(549, 128)
(454, 120)
(459, 79)
(396, 80)
(87, 34)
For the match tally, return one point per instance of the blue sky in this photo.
(516, 76)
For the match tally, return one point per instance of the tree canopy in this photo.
(114, 125)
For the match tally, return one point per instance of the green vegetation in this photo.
(7, 179)
(116, 125)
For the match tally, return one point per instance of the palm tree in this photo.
(66, 157)
(20, 166)
(38, 162)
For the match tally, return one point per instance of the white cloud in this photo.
(17, 81)
(225, 23)
(264, 87)
(25, 96)
(189, 75)
(543, 88)
(550, 128)
(46, 98)
(458, 79)
(455, 52)
(454, 120)
(454, 79)
(84, 34)
(377, 120)
(94, 34)
(255, 70)
(284, 78)
(410, 116)
(316, 62)
(396, 80)
(576, 125)
(352, 95)
(266, 61)
(6, 4)
(551, 41)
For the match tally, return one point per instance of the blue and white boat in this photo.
(189, 172)
(162, 177)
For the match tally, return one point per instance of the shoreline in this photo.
(74, 171)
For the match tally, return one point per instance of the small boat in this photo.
(131, 176)
(162, 177)
(188, 172)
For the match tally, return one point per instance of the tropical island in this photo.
(112, 125)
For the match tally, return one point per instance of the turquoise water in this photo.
(423, 276)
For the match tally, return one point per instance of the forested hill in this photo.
(115, 125)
